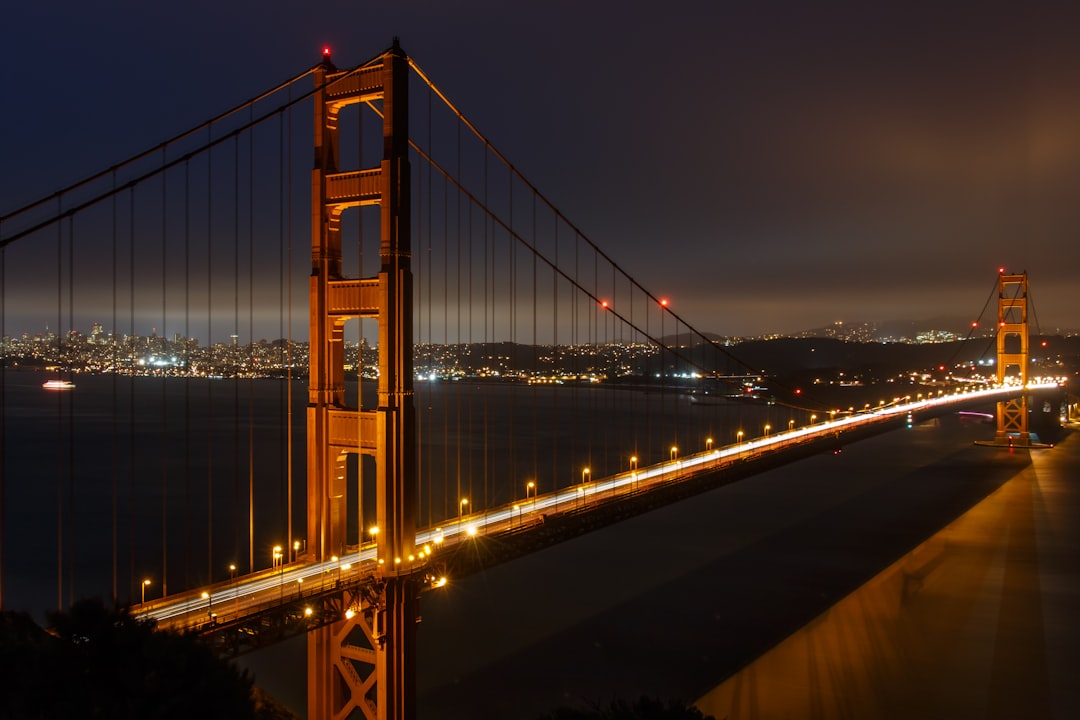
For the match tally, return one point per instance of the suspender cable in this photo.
(71, 419)
(284, 415)
(164, 395)
(535, 359)
(59, 423)
(512, 316)
(554, 345)
(238, 519)
(210, 345)
(457, 394)
(288, 313)
(250, 354)
(446, 334)
(131, 392)
(188, 508)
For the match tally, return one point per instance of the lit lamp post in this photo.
(209, 605)
(374, 532)
(790, 425)
(708, 444)
(461, 511)
(295, 549)
(813, 419)
(145, 583)
(236, 588)
(738, 437)
(767, 429)
(279, 561)
(531, 487)
(674, 452)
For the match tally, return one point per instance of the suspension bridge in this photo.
(459, 376)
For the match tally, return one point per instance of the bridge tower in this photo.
(366, 660)
(1012, 355)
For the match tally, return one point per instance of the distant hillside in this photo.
(788, 355)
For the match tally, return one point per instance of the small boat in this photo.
(58, 385)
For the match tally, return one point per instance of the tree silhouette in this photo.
(98, 662)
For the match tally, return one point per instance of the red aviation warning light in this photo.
(663, 302)
(1001, 271)
(326, 61)
(605, 304)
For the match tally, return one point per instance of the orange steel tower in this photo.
(365, 661)
(1012, 355)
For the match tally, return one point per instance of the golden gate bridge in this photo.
(552, 398)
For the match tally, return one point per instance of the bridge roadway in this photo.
(302, 585)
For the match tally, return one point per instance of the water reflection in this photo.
(954, 629)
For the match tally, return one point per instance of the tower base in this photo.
(1019, 440)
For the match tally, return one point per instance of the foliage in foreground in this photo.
(644, 708)
(98, 662)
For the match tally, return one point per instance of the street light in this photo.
(813, 418)
(584, 475)
(236, 589)
(144, 584)
(530, 486)
(674, 451)
(708, 444)
(295, 548)
(790, 425)
(738, 437)
(461, 510)
(768, 427)
(278, 560)
(209, 604)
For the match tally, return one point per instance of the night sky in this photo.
(770, 166)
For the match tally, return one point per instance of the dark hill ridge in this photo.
(788, 355)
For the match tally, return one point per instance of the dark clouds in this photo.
(798, 162)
